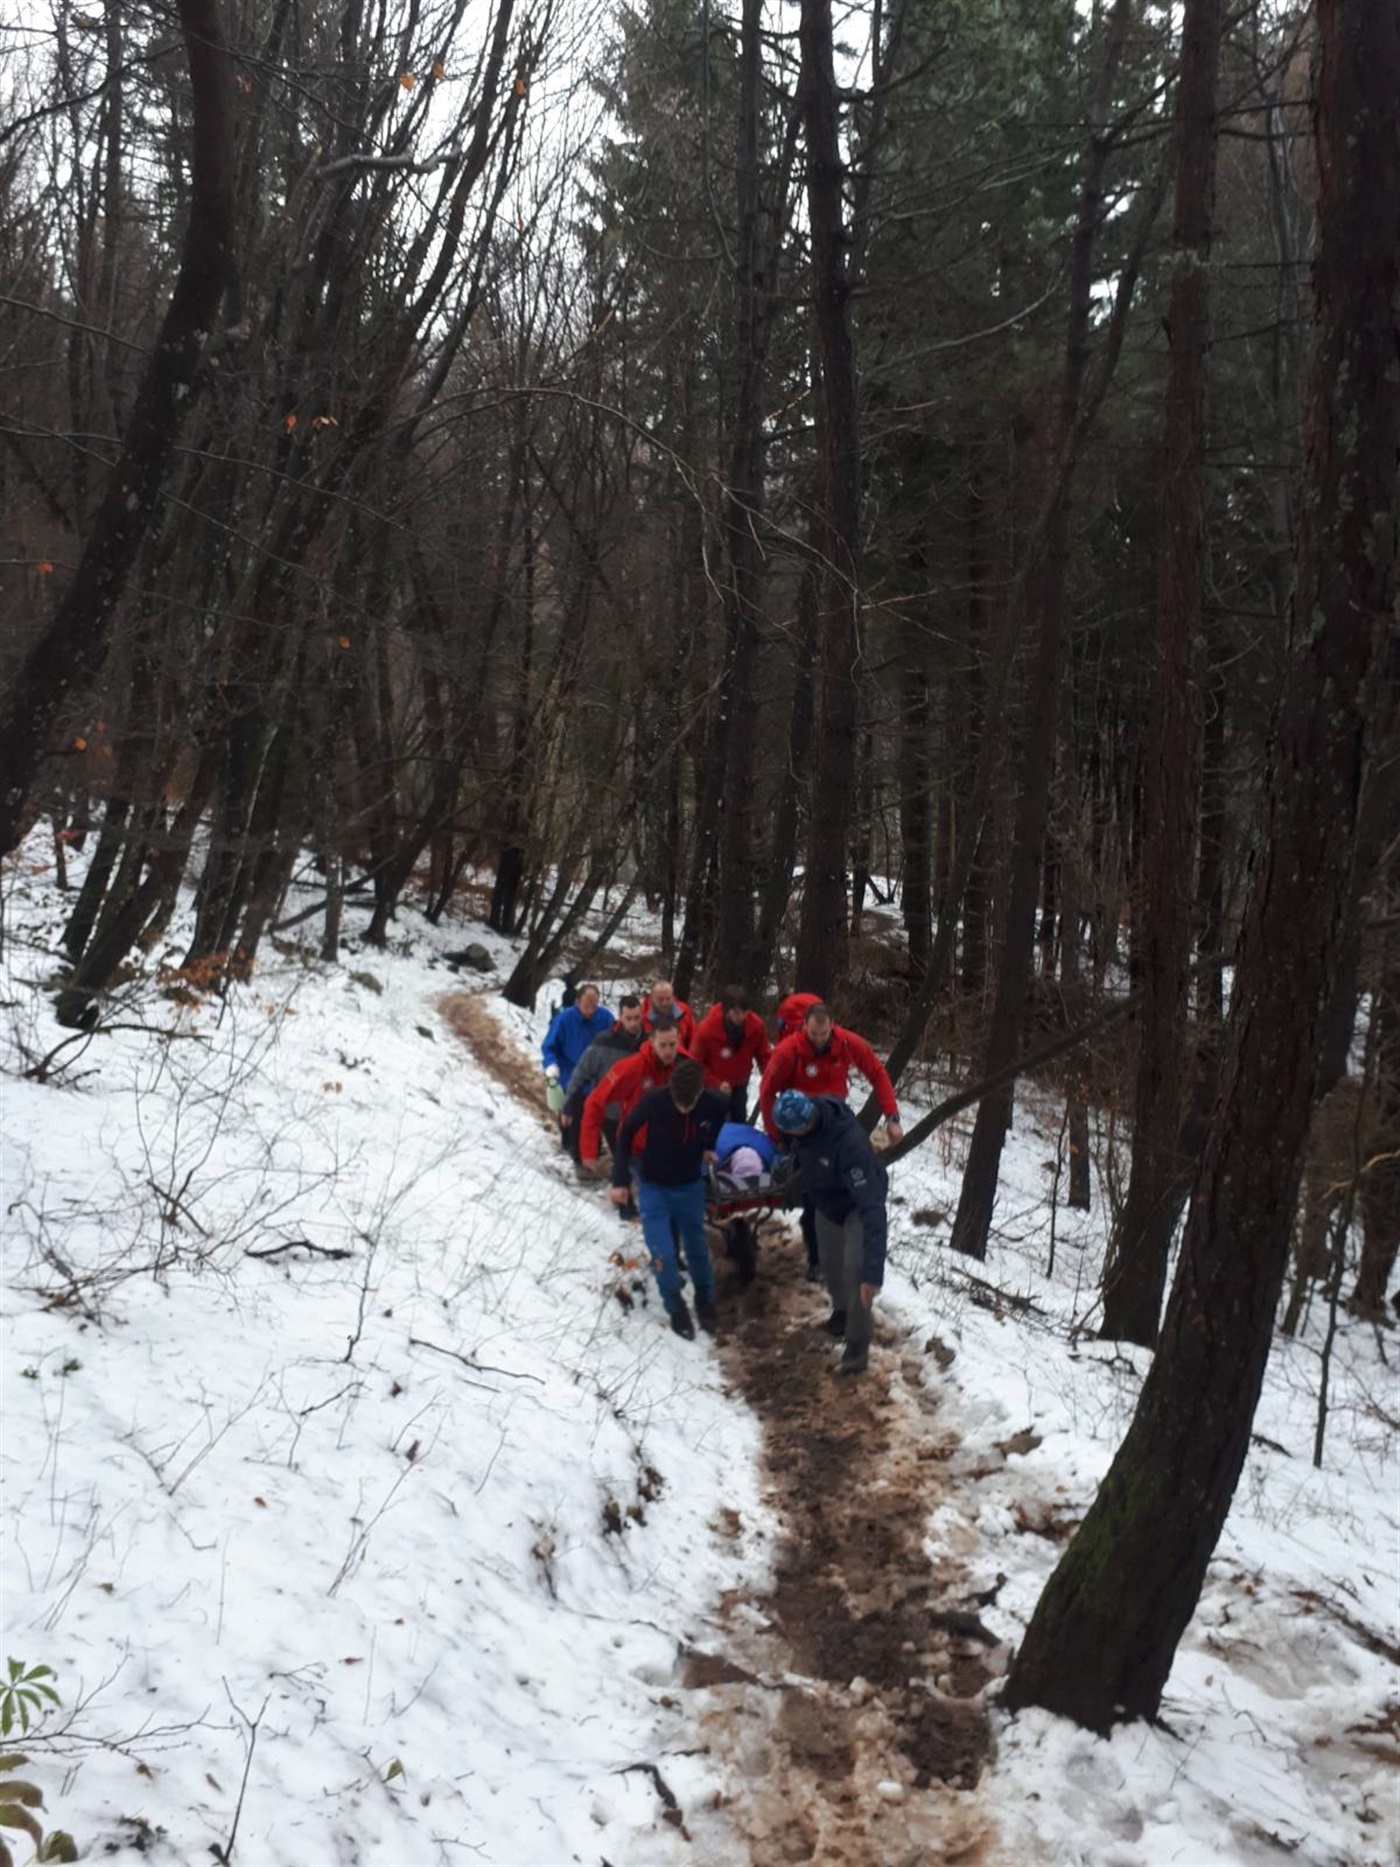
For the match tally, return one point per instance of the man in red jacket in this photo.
(818, 1060)
(729, 1040)
(793, 1010)
(626, 1083)
(661, 1001)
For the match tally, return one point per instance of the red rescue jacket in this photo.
(793, 1010)
(728, 1065)
(681, 1012)
(796, 1065)
(625, 1083)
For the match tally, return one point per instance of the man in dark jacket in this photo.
(623, 1039)
(678, 1126)
(844, 1178)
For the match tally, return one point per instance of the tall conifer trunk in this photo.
(1137, 1269)
(1101, 1643)
(822, 933)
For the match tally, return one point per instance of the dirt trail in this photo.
(848, 1700)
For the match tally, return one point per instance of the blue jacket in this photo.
(570, 1034)
(842, 1174)
(739, 1134)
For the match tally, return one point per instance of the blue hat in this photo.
(792, 1112)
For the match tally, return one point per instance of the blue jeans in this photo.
(659, 1205)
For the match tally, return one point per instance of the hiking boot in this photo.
(681, 1324)
(854, 1361)
(707, 1316)
(814, 1273)
(835, 1323)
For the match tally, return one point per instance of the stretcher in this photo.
(736, 1208)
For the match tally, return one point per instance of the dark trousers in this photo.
(739, 1102)
(808, 1223)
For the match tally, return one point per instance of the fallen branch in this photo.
(300, 1244)
(986, 1295)
(478, 1367)
(672, 1807)
(1021, 1066)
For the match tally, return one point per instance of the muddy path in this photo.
(862, 1734)
(846, 1701)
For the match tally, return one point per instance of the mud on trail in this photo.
(861, 1728)
(848, 1700)
(472, 1022)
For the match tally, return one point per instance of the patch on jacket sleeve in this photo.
(857, 1176)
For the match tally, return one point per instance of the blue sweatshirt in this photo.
(842, 1174)
(570, 1034)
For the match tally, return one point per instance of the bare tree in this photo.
(71, 648)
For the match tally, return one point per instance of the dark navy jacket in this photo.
(676, 1144)
(842, 1174)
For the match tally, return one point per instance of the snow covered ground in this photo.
(387, 1556)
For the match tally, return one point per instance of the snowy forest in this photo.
(888, 503)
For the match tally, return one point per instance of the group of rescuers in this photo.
(670, 1096)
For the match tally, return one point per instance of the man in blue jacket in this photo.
(844, 1179)
(571, 1031)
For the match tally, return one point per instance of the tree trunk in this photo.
(822, 934)
(1072, 995)
(735, 956)
(1101, 1643)
(71, 649)
(1137, 1267)
(782, 858)
(1380, 1184)
(1046, 601)
(916, 819)
(1210, 874)
(972, 729)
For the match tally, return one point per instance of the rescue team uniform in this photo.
(793, 1010)
(728, 1063)
(625, 1084)
(798, 1064)
(680, 1011)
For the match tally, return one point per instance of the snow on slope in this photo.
(1266, 1755)
(360, 1501)
(356, 1502)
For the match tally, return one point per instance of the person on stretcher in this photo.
(744, 1158)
